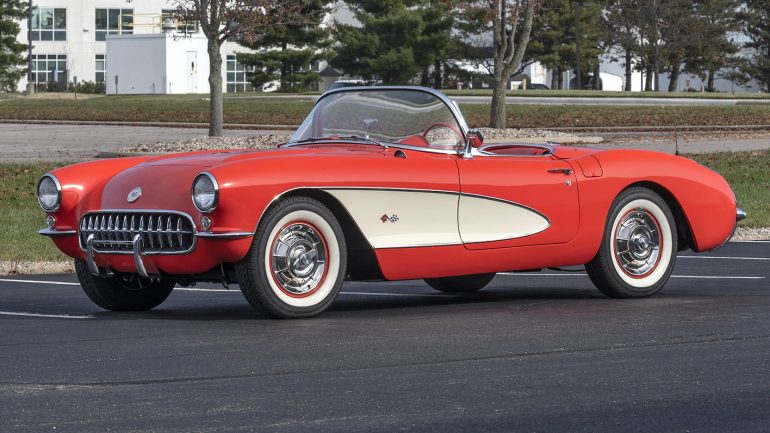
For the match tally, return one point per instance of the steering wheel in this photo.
(454, 129)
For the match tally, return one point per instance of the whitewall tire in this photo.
(639, 246)
(296, 264)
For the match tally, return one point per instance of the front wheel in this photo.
(122, 292)
(297, 260)
(638, 250)
(461, 284)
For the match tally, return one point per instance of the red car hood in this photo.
(166, 180)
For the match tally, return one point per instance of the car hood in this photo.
(165, 181)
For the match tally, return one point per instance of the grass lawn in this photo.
(279, 111)
(21, 216)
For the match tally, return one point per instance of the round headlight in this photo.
(49, 193)
(205, 192)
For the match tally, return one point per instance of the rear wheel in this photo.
(122, 292)
(638, 251)
(464, 283)
(297, 260)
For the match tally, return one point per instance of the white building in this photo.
(69, 40)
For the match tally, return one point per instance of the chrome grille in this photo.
(162, 232)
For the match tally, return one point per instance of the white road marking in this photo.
(53, 316)
(193, 289)
(582, 274)
(723, 258)
(422, 295)
(60, 283)
(716, 277)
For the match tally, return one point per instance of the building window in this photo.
(113, 22)
(181, 26)
(49, 68)
(49, 24)
(101, 67)
(237, 80)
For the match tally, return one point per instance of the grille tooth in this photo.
(150, 235)
(179, 229)
(169, 235)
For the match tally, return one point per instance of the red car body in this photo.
(377, 191)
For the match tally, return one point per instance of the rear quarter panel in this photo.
(705, 198)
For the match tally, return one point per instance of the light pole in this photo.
(30, 84)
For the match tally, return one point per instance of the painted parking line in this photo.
(56, 283)
(50, 316)
(722, 258)
(583, 274)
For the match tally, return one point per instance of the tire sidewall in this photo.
(653, 281)
(273, 299)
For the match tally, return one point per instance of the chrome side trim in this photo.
(740, 215)
(53, 233)
(483, 150)
(224, 235)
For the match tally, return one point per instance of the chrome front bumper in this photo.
(740, 215)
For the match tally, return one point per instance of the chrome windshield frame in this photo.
(451, 105)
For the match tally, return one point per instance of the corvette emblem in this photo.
(134, 194)
(385, 218)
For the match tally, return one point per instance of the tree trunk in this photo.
(673, 82)
(560, 78)
(597, 77)
(648, 78)
(657, 73)
(629, 75)
(710, 82)
(498, 103)
(437, 80)
(216, 111)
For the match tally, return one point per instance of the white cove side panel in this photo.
(485, 220)
(398, 219)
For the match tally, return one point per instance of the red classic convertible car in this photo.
(380, 183)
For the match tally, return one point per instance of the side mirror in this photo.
(475, 138)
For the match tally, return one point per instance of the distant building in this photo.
(69, 40)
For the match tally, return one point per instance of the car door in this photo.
(516, 200)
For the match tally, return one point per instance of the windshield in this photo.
(391, 116)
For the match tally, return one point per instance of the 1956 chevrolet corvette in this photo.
(379, 183)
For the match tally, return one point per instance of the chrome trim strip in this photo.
(51, 232)
(224, 235)
(138, 211)
(483, 152)
(740, 215)
(58, 189)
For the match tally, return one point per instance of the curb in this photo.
(246, 126)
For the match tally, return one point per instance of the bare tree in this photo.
(511, 25)
(237, 20)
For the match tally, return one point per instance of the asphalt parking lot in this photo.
(532, 352)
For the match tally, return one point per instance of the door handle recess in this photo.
(566, 171)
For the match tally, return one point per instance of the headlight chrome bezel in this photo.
(214, 184)
(56, 183)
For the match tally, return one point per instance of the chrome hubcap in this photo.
(637, 243)
(298, 259)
